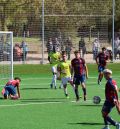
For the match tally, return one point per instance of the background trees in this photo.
(25, 15)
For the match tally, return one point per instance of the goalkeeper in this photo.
(12, 89)
(54, 58)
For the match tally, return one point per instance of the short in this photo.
(78, 79)
(54, 69)
(101, 68)
(107, 107)
(10, 90)
(65, 80)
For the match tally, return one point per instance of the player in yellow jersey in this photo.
(64, 69)
(54, 58)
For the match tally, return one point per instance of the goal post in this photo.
(6, 55)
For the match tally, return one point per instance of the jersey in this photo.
(110, 88)
(65, 69)
(79, 66)
(14, 83)
(102, 59)
(54, 58)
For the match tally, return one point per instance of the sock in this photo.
(76, 93)
(84, 91)
(109, 119)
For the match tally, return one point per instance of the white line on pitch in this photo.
(26, 104)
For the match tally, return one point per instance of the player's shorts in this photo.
(10, 90)
(78, 79)
(101, 68)
(65, 80)
(107, 107)
(54, 69)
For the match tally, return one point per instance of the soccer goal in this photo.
(6, 55)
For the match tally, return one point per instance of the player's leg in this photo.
(106, 109)
(82, 79)
(53, 83)
(100, 76)
(76, 82)
(5, 93)
(12, 92)
(64, 82)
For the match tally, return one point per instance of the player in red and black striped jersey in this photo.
(80, 73)
(101, 61)
(111, 95)
(11, 89)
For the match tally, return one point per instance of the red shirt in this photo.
(13, 83)
(78, 66)
(102, 59)
(110, 90)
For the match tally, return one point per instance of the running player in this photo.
(11, 89)
(111, 95)
(64, 69)
(101, 61)
(54, 58)
(80, 70)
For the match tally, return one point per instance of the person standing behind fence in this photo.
(82, 47)
(56, 44)
(24, 50)
(95, 48)
(68, 47)
(49, 46)
(116, 47)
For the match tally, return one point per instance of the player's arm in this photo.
(18, 91)
(96, 59)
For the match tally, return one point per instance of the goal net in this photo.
(6, 55)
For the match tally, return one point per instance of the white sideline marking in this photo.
(44, 103)
(26, 104)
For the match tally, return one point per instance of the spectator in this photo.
(17, 53)
(117, 47)
(82, 47)
(56, 44)
(49, 46)
(68, 47)
(95, 48)
(24, 50)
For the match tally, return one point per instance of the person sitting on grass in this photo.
(11, 89)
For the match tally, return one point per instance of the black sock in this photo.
(84, 91)
(76, 93)
(109, 119)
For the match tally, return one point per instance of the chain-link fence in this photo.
(67, 24)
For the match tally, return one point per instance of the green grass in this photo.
(43, 108)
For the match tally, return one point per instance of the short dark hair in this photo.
(63, 52)
(17, 78)
(77, 51)
(103, 48)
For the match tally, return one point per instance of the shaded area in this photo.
(86, 123)
(35, 88)
(43, 100)
(90, 105)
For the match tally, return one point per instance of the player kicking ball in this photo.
(11, 89)
(111, 99)
(64, 69)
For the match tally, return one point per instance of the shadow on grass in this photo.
(43, 100)
(90, 105)
(86, 123)
(35, 88)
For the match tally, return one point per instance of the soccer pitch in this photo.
(43, 108)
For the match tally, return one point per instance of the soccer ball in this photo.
(96, 99)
